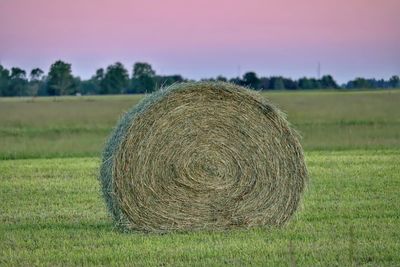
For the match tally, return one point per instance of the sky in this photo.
(200, 39)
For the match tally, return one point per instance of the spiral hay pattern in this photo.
(202, 156)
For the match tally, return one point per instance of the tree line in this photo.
(115, 79)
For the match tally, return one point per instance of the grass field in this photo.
(51, 212)
(78, 126)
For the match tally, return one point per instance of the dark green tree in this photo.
(99, 74)
(327, 81)
(161, 81)
(142, 69)
(36, 74)
(361, 83)
(89, 87)
(35, 82)
(394, 81)
(143, 77)
(115, 81)
(305, 83)
(93, 85)
(18, 82)
(17, 73)
(290, 84)
(60, 80)
(221, 78)
(264, 83)
(276, 83)
(250, 79)
(236, 80)
(315, 83)
(4, 81)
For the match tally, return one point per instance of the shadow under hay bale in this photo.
(202, 156)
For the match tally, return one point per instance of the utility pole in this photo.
(319, 70)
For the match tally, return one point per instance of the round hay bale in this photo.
(202, 156)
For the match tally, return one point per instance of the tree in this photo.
(221, 78)
(277, 83)
(360, 83)
(35, 82)
(99, 74)
(4, 81)
(264, 83)
(17, 73)
(88, 87)
(394, 81)
(36, 74)
(237, 81)
(315, 83)
(116, 79)
(327, 81)
(160, 82)
(250, 79)
(312, 83)
(143, 78)
(289, 84)
(18, 82)
(142, 69)
(305, 83)
(60, 80)
(93, 85)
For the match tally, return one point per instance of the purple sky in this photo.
(206, 38)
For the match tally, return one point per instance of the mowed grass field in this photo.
(51, 211)
(78, 126)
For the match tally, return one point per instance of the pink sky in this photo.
(206, 38)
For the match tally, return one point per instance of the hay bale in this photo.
(202, 156)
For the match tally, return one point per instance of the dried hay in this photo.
(202, 156)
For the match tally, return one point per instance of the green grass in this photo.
(78, 126)
(51, 213)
